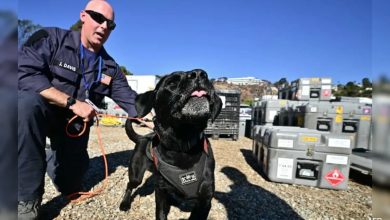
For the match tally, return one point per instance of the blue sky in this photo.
(343, 39)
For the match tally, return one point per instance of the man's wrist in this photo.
(70, 101)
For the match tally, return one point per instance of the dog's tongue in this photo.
(199, 93)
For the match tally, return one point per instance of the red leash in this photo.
(80, 196)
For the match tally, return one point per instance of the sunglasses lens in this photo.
(99, 18)
(111, 25)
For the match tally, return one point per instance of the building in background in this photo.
(245, 81)
(143, 83)
(140, 84)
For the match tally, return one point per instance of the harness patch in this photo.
(188, 178)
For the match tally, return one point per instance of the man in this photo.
(58, 71)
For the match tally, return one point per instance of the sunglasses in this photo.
(99, 18)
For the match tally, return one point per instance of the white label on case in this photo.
(336, 142)
(286, 143)
(305, 90)
(285, 168)
(334, 159)
(326, 81)
(305, 81)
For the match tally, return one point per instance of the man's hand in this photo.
(83, 109)
(56, 97)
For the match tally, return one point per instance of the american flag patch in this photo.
(105, 79)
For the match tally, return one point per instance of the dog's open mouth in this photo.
(197, 106)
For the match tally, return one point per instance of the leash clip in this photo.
(93, 105)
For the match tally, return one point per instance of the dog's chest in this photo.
(178, 199)
(186, 181)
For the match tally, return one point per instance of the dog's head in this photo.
(181, 98)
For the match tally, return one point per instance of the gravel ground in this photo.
(241, 190)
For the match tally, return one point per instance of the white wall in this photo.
(142, 83)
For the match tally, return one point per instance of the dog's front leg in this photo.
(137, 167)
(162, 205)
(201, 210)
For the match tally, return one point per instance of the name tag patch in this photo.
(188, 178)
(66, 66)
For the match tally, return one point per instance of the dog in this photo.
(178, 151)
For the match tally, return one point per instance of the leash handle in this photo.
(80, 196)
(69, 123)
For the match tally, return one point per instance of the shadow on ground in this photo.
(94, 176)
(249, 201)
(251, 161)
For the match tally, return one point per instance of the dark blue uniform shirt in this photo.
(51, 58)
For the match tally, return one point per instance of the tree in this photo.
(125, 71)
(351, 89)
(366, 83)
(282, 81)
(25, 29)
(77, 26)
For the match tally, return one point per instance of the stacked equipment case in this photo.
(227, 122)
(318, 140)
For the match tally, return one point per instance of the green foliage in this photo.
(366, 83)
(353, 90)
(125, 71)
(248, 101)
(282, 81)
(77, 26)
(25, 29)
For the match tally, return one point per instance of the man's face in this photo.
(94, 30)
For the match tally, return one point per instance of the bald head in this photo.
(102, 7)
(96, 17)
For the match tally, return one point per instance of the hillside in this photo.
(248, 92)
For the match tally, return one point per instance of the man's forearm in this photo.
(55, 96)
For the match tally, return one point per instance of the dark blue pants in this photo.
(65, 162)
(8, 152)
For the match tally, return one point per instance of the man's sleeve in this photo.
(122, 93)
(33, 62)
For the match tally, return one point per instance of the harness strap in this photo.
(187, 181)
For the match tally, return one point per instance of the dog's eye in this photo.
(173, 82)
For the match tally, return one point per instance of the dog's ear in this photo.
(217, 106)
(144, 103)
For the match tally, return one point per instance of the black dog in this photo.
(177, 149)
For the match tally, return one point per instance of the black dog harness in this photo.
(187, 181)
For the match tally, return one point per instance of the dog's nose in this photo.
(197, 74)
(192, 75)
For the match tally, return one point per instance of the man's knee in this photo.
(30, 104)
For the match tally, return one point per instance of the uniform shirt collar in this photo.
(76, 41)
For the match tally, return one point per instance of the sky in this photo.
(346, 40)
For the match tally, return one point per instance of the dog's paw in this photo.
(124, 206)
